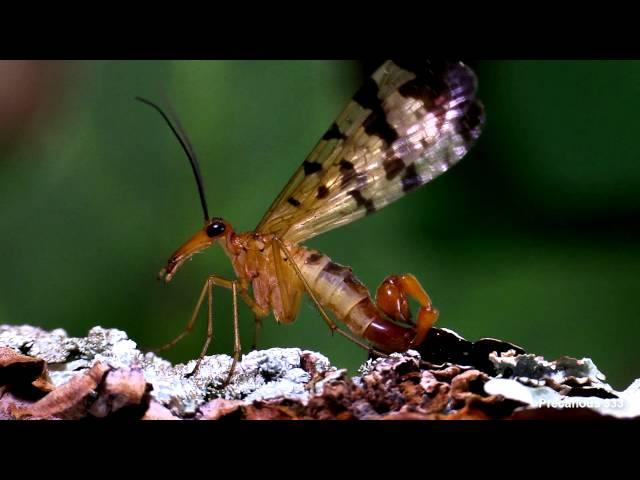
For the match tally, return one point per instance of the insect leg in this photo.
(192, 320)
(391, 298)
(211, 281)
(237, 349)
(256, 332)
(330, 323)
(258, 312)
(205, 347)
(207, 289)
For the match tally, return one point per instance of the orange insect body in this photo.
(409, 123)
(259, 261)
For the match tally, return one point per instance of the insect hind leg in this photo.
(391, 298)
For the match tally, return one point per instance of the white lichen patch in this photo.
(259, 375)
(560, 384)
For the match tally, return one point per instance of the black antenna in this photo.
(188, 149)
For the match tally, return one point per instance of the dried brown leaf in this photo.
(69, 401)
(9, 401)
(121, 388)
(17, 368)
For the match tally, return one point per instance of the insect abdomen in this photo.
(337, 289)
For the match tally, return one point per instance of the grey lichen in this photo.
(51, 346)
(563, 383)
(260, 375)
(533, 367)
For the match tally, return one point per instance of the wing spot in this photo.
(376, 124)
(418, 90)
(345, 165)
(311, 167)
(367, 95)
(363, 202)
(293, 202)
(323, 192)
(470, 124)
(393, 167)
(411, 179)
(333, 133)
(432, 80)
(347, 170)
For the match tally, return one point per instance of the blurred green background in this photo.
(533, 238)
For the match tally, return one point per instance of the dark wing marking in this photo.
(409, 123)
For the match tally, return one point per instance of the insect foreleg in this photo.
(330, 323)
(206, 287)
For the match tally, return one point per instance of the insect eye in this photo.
(215, 229)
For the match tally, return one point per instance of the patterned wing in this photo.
(409, 123)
